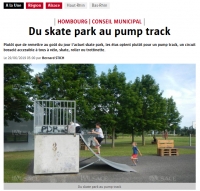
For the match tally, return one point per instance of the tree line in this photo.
(119, 105)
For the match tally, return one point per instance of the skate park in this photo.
(150, 169)
(58, 143)
(58, 159)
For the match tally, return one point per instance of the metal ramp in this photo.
(122, 167)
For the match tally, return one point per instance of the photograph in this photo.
(99, 123)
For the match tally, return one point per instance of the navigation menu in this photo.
(56, 5)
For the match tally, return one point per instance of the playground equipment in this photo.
(57, 145)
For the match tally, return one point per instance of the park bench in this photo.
(166, 148)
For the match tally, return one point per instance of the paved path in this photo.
(150, 169)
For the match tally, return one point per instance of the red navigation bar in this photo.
(53, 5)
(34, 5)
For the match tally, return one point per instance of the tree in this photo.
(69, 82)
(151, 115)
(17, 92)
(172, 115)
(131, 107)
(111, 87)
(178, 130)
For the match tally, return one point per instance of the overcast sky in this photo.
(176, 80)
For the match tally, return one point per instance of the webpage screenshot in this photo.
(100, 95)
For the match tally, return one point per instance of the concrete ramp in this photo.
(123, 167)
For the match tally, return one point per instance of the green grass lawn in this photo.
(123, 146)
(16, 163)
